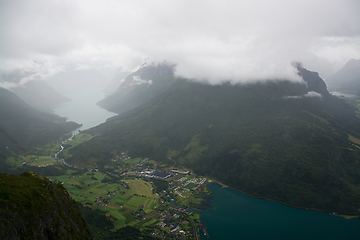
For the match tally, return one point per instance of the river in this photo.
(83, 109)
(234, 215)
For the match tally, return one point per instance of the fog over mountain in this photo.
(213, 40)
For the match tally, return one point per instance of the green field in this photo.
(136, 201)
(32, 160)
(190, 185)
(76, 140)
(134, 160)
(16, 162)
(43, 160)
(142, 188)
(88, 189)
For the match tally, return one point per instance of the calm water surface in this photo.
(83, 109)
(234, 215)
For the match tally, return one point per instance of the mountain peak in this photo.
(352, 63)
(313, 80)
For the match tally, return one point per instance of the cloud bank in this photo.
(207, 39)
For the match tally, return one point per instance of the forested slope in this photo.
(21, 126)
(278, 140)
(32, 207)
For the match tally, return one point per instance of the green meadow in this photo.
(116, 199)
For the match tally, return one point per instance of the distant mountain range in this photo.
(32, 89)
(23, 127)
(39, 95)
(277, 140)
(347, 80)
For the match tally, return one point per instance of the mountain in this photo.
(346, 80)
(23, 127)
(30, 87)
(138, 88)
(39, 95)
(32, 207)
(116, 82)
(279, 140)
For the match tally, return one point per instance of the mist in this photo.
(240, 41)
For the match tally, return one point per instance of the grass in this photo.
(120, 222)
(43, 160)
(150, 222)
(142, 188)
(121, 199)
(136, 201)
(190, 185)
(121, 206)
(192, 201)
(354, 139)
(17, 162)
(154, 214)
(195, 216)
(134, 160)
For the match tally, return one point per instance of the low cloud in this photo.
(313, 94)
(310, 94)
(214, 40)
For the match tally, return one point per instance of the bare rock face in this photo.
(32, 207)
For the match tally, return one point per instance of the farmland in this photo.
(121, 200)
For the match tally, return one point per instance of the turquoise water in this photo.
(83, 109)
(234, 215)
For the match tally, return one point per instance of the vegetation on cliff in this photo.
(23, 127)
(32, 207)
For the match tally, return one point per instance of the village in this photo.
(138, 192)
(134, 197)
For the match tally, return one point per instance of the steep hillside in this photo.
(278, 140)
(347, 80)
(24, 127)
(32, 207)
(39, 95)
(113, 86)
(139, 87)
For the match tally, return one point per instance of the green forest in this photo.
(254, 137)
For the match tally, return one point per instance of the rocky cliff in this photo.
(32, 207)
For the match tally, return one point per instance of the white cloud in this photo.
(310, 94)
(313, 94)
(216, 40)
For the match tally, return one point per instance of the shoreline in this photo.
(347, 217)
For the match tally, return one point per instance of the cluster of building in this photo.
(102, 201)
(181, 210)
(198, 181)
(46, 165)
(180, 171)
(151, 174)
(181, 189)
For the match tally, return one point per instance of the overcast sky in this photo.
(215, 40)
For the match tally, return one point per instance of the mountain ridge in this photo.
(39, 95)
(347, 79)
(23, 127)
(278, 140)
